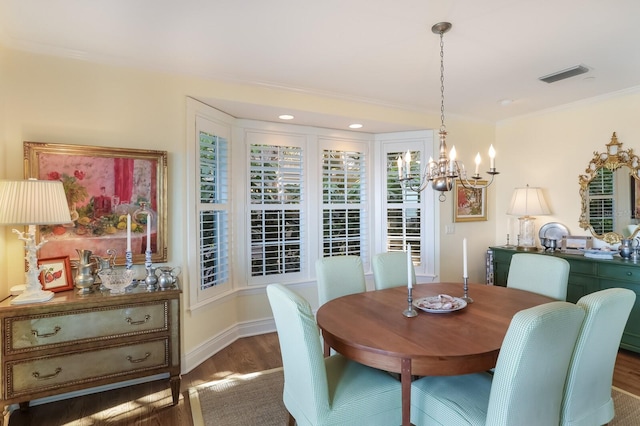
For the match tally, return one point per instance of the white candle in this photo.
(148, 232)
(399, 168)
(409, 267)
(464, 259)
(478, 159)
(128, 232)
(407, 163)
(492, 157)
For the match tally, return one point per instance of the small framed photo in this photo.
(470, 204)
(56, 274)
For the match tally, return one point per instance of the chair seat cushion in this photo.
(461, 400)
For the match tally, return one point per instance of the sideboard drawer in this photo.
(35, 332)
(619, 272)
(44, 373)
(581, 267)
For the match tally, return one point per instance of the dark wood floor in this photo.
(150, 403)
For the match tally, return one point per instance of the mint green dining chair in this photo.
(390, 270)
(339, 276)
(527, 385)
(587, 398)
(327, 391)
(537, 273)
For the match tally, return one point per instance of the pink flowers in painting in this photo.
(72, 187)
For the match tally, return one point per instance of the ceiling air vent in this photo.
(561, 75)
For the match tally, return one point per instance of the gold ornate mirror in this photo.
(610, 193)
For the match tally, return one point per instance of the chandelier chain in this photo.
(442, 126)
(443, 172)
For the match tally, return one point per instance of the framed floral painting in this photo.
(470, 204)
(103, 186)
(56, 274)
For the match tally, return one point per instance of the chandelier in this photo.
(442, 173)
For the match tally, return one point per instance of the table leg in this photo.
(405, 381)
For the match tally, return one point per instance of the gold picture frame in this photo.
(469, 204)
(103, 185)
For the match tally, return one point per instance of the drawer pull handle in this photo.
(135, 361)
(48, 376)
(629, 273)
(37, 333)
(132, 322)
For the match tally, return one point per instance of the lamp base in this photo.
(32, 297)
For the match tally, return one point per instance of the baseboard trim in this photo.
(216, 343)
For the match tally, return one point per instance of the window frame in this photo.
(201, 117)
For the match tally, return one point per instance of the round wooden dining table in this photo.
(370, 328)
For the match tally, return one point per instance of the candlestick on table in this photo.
(465, 275)
(147, 253)
(410, 311)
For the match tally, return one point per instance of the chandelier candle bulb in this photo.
(409, 265)
(407, 162)
(492, 157)
(478, 159)
(399, 168)
(464, 259)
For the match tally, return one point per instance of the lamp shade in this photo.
(528, 201)
(33, 202)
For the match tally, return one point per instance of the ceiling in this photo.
(380, 52)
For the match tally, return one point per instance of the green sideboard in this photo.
(587, 275)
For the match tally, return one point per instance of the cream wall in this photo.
(552, 148)
(47, 99)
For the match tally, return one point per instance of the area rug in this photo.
(256, 399)
(247, 400)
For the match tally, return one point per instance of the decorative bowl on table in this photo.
(116, 280)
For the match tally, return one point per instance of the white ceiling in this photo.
(377, 51)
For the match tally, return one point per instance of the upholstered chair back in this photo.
(532, 366)
(587, 399)
(339, 276)
(390, 270)
(546, 275)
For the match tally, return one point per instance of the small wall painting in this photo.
(470, 204)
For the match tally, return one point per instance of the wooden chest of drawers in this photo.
(77, 342)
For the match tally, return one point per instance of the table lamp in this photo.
(32, 202)
(527, 202)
